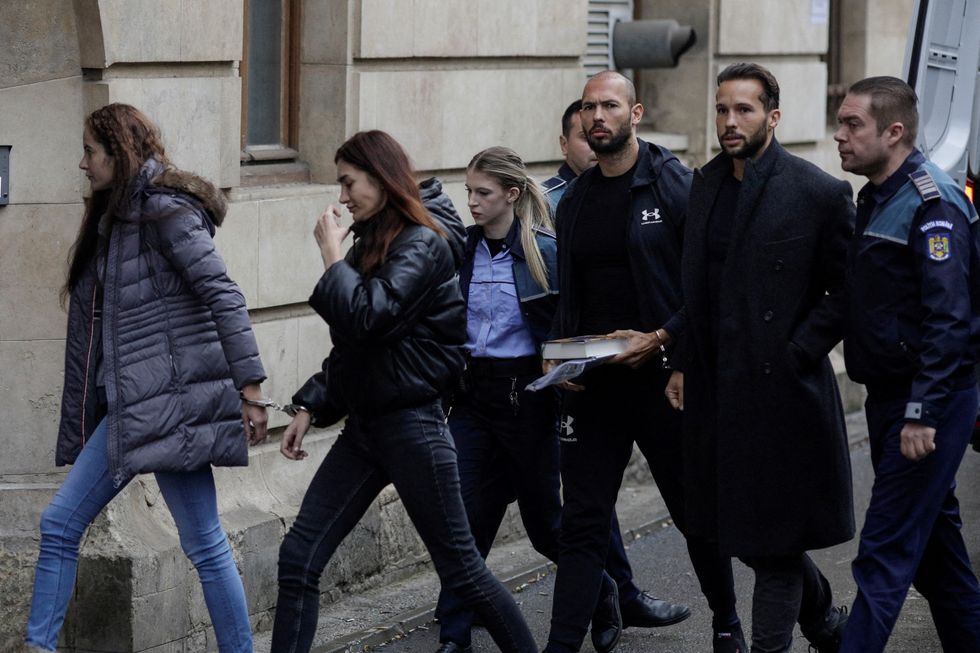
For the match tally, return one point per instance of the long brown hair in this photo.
(130, 138)
(379, 155)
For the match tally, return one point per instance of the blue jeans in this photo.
(412, 449)
(911, 533)
(193, 504)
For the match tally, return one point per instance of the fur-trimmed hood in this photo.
(211, 198)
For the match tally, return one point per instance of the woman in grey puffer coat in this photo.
(159, 346)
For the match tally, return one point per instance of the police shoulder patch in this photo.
(938, 245)
(925, 184)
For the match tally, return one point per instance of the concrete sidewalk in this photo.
(362, 620)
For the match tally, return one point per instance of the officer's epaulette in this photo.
(558, 184)
(925, 184)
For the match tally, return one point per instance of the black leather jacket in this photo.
(397, 334)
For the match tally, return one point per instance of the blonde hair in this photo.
(506, 167)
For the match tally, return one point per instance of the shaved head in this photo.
(628, 89)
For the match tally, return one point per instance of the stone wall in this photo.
(446, 78)
(405, 67)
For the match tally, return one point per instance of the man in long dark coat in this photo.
(766, 460)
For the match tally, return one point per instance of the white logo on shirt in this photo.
(567, 430)
(651, 217)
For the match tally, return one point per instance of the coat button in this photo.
(766, 368)
(767, 316)
(779, 265)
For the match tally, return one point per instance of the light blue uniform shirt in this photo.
(494, 325)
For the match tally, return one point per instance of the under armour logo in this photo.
(651, 217)
(566, 425)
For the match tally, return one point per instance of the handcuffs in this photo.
(290, 409)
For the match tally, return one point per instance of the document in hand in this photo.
(583, 347)
(566, 371)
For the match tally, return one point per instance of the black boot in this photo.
(826, 636)
(453, 647)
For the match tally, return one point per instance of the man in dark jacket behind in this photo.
(619, 240)
(767, 464)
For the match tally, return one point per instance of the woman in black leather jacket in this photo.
(397, 323)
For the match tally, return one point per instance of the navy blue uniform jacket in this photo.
(914, 301)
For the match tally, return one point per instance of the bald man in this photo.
(619, 244)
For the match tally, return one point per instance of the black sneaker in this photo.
(453, 647)
(826, 638)
(729, 641)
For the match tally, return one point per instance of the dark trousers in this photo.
(412, 449)
(509, 451)
(787, 589)
(911, 533)
(618, 407)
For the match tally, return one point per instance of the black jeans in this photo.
(619, 406)
(787, 589)
(412, 449)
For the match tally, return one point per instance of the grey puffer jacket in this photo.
(177, 343)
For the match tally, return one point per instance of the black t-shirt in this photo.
(603, 281)
(495, 245)
(720, 224)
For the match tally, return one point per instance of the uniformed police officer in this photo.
(576, 151)
(912, 338)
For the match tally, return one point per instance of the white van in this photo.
(942, 64)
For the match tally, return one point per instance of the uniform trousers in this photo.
(507, 447)
(911, 533)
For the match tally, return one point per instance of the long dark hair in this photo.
(130, 138)
(379, 155)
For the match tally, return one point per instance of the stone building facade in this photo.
(445, 77)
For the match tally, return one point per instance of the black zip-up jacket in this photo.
(397, 335)
(658, 205)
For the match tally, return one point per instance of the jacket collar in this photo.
(897, 179)
(566, 173)
(512, 239)
(650, 160)
(722, 164)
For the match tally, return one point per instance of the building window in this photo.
(270, 84)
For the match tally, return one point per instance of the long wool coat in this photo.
(766, 460)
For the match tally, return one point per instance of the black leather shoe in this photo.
(453, 647)
(607, 623)
(647, 612)
(730, 641)
(826, 637)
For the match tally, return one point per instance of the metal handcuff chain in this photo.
(289, 409)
